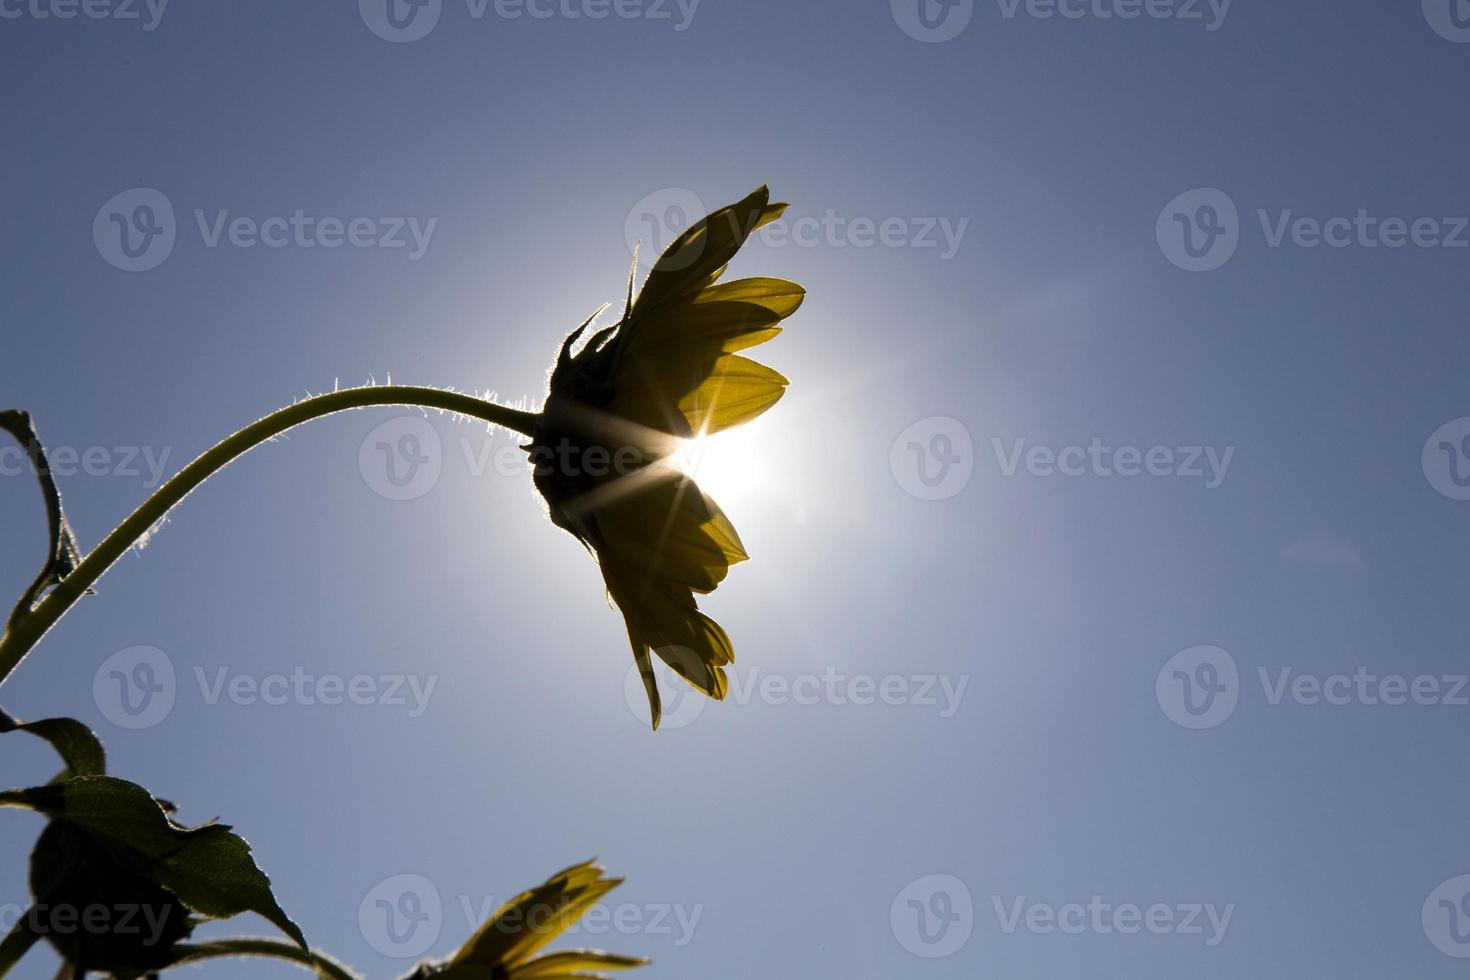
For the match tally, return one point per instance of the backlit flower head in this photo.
(618, 406)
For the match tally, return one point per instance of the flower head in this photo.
(505, 947)
(617, 408)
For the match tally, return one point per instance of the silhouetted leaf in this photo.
(73, 741)
(17, 942)
(209, 868)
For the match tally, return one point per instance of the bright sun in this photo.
(727, 465)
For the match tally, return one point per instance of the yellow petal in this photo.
(535, 917)
(735, 391)
(781, 296)
(710, 328)
(645, 672)
(662, 616)
(671, 529)
(697, 256)
(568, 963)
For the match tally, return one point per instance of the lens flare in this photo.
(727, 465)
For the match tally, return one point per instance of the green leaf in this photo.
(63, 555)
(209, 868)
(73, 741)
(216, 876)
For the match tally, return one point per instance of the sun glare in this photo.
(726, 465)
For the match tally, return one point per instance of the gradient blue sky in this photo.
(792, 828)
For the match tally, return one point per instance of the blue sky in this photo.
(964, 636)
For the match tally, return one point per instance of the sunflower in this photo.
(504, 948)
(617, 408)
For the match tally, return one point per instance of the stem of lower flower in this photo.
(24, 634)
(273, 948)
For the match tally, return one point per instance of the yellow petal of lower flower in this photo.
(535, 917)
(735, 391)
(573, 963)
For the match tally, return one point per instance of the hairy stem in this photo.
(22, 635)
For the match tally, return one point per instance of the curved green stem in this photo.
(24, 634)
(273, 948)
